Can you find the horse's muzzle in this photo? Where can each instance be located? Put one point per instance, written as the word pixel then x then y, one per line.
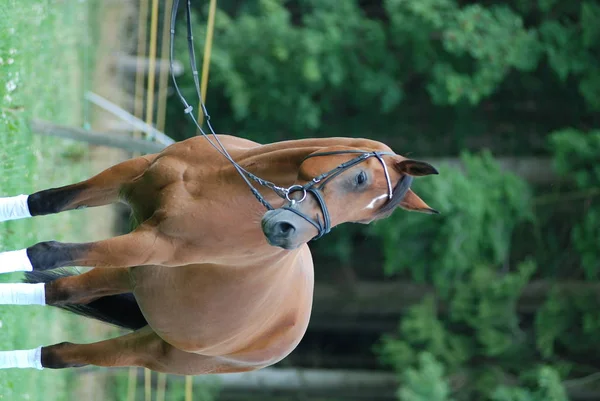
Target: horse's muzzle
pixel 282 229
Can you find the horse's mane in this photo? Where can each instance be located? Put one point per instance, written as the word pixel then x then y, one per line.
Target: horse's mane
pixel 398 194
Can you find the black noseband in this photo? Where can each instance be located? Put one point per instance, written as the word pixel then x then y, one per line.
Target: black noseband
pixel 323 228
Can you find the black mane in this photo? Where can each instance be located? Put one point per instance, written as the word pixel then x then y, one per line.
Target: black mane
pixel 397 196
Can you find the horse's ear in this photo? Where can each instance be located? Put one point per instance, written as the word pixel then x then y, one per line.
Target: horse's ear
pixel 412 202
pixel 415 167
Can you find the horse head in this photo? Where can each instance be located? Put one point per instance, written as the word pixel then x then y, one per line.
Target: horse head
pixel 342 184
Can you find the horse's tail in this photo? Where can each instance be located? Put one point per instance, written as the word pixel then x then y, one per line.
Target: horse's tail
pixel 120 310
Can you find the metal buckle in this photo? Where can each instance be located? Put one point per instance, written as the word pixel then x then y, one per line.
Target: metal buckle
pixel 295 188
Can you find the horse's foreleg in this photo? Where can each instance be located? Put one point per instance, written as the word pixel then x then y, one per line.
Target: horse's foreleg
pixel 143 246
pixel 30 358
pixel 14 207
pixel 22 294
pixel 81 288
pixel 142 348
pixel 87 287
pixel 102 189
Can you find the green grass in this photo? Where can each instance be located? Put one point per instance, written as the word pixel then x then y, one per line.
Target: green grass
pixel 43 51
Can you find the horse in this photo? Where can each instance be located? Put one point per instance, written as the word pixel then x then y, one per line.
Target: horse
pixel 210 280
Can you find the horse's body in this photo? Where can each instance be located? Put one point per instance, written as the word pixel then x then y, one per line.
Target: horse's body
pixel 215 294
pixel 231 260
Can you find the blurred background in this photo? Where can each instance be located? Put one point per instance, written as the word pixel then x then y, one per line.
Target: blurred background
pixel 497 298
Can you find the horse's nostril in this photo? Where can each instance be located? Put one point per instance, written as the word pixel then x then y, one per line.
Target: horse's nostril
pixel 285 228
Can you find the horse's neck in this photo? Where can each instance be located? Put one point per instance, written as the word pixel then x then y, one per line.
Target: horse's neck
pixel 315 144
pixel 280 162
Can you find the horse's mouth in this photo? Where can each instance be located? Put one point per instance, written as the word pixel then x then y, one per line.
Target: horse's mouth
pixel 280 231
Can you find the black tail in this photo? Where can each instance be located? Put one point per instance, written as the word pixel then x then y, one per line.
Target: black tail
pixel 120 310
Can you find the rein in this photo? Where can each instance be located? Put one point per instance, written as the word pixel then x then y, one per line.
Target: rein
pixel 315 186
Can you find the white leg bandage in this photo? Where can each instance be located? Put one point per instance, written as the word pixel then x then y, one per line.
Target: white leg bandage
pixel 15 261
pixel 22 294
pixel 30 358
pixel 14 208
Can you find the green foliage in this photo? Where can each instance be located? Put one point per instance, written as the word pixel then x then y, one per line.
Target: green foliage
pixel 473 315
pixel 480 321
pixel 277 74
pixel 290 69
pixel 481 45
pixel 477 341
pixel 471 325
pixel 422 329
pixel 425 383
pixel 577 157
pixel 486 304
pixel 571 49
pixel 479 211
pixel 569 321
pixel 586 237
pixel 549 388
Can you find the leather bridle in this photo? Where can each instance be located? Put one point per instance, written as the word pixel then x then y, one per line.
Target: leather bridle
pixel 314 186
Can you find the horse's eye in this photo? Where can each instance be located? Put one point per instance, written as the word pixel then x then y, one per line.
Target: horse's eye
pixel 361 178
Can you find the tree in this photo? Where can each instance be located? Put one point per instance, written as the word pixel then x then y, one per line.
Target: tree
pixel 502 354
pixel 290 69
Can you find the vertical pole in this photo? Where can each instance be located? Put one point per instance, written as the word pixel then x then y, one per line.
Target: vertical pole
pixel 163 77
pixel 137 112
pixel 206 60
pixel 152 64
pixel 131 384
pixel 141 53
pixel 161 111
pixel 188 388
pixel 149 118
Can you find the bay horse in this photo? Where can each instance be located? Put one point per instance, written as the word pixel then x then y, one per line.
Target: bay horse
pixel 209 281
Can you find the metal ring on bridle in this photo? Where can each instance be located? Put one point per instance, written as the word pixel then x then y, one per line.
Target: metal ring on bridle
pixel 295 188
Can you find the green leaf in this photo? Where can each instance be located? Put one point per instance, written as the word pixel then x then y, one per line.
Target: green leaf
pixel 425 383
